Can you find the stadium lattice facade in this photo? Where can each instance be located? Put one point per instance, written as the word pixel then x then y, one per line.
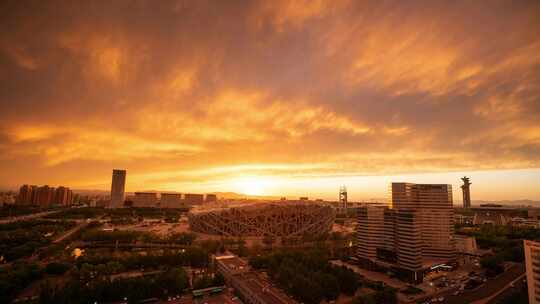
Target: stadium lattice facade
pixel 277 219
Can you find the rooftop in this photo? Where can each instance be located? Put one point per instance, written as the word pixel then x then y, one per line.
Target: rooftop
pixel 249 204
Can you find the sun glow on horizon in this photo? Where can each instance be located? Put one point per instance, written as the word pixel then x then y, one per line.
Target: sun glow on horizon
pixel 252 185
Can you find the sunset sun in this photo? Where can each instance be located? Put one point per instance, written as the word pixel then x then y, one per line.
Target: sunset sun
pixel 252 186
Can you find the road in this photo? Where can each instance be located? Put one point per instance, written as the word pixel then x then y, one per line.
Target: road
pixel 28 216
pixel 509 291
pixel 372 275
pixel 487 290
pixel 70 232
pixel 80 225
pixel 128 245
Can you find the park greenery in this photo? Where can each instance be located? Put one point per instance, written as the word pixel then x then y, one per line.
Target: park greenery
pixel 10 210
pixel 23 238
pixel 384 295
pixel 170 282
pixel 77 213
pixel 121 215
pixel 14 278
pixel 307 275
pixel 103 263
pixel 506 243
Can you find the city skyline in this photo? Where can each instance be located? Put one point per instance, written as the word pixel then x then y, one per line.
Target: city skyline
pixel 359 187
pixel 272 97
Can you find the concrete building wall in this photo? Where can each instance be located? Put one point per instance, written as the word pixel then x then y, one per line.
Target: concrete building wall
pixel 436 215
pixel 370 231
pixel 145 200
pixel 44 196
pixel 26 195
pixel 171 200
pixel 118 185
pixel 417 227
pixel 194 199
pixel 211 198
pixel 532 265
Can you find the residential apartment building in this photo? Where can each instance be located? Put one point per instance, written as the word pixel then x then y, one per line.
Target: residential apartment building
pixel 26 194
pixel 44 196
pixel 532 266
pixel 411 234
pixel 63 196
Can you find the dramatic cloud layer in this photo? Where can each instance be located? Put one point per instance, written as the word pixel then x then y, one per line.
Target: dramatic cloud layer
pixel 181 92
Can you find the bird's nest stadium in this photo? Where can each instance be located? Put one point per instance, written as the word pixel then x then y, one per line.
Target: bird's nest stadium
pixel 263 219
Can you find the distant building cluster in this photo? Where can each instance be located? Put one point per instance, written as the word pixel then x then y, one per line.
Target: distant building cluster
pixel 45 196
pixel 411 235
pixel 499 215
pixel 7 198
pixel 152 199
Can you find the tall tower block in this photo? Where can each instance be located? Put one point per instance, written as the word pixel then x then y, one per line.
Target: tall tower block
pixel 466 192
pixel 343 198
pixel 118 185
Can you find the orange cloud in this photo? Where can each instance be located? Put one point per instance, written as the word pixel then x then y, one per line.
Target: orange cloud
pixel 205 92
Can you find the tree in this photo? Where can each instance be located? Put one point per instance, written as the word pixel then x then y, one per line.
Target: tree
pixel 330 286
pixel 492 264
pixel 57 268
pixel 218 280
pixel 268 240
pixel 386 296
pixel 174 280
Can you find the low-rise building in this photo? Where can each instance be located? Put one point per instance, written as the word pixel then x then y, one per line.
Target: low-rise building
pixel 210 198
pixel 171 200
pixel 194 199
pixel 250 285
pixel 524 222
pixel 145 199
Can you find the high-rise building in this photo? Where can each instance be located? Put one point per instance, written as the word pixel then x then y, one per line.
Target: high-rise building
pixel 44 197
pixel 118 188
pixel 409 235
pixel 532 266
pixel 435 211
pixel 466 188
pixel 63 196
pixel 26 193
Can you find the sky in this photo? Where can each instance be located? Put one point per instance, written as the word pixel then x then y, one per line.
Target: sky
pixel 282 98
